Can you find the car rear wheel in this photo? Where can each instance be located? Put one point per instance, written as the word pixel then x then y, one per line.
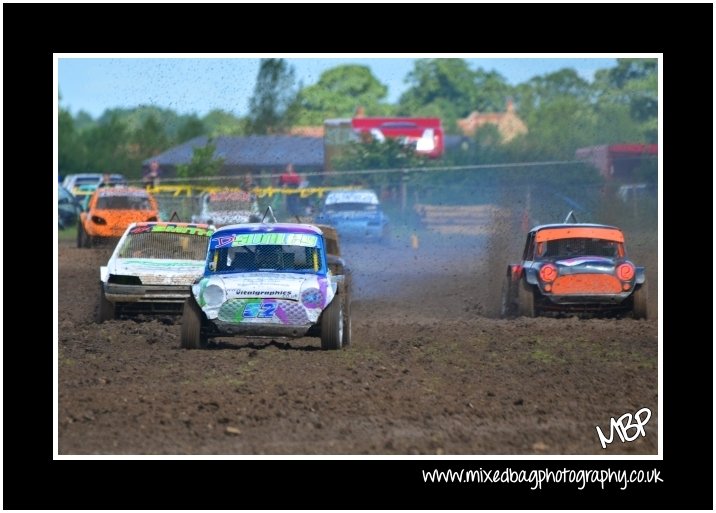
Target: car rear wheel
pixel 640 309
pixel 332 325
pixel 507 303
pixel 88 241
pixel 81 236
pixel 525 299
pixel 191 337
pixel 107 310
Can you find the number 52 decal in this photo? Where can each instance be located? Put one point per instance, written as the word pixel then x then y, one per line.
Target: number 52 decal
pixel 260 308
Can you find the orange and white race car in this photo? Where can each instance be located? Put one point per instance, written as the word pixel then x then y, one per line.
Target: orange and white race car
pixel 111 210
pixel 574 267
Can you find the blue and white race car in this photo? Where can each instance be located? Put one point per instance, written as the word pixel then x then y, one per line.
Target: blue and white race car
pixel 269 280
pixel 355 214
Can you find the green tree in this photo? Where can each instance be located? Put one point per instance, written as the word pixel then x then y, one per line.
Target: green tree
pixel 449 89
pixel 373 154
pixel 559 127
pixel 109 148
pixel 541 90
pixel 219 122
pixel 615 124
pixel 191 127
pixel 136 117
pixel 491 91
pixel 633 83
pixel 439 87
pixel 274 93
pixel 84 120
pixel 150 138
pixel 337 94
pixel 70 150
pixel 203 163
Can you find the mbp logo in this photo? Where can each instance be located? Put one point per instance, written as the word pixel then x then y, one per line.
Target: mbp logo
pixel 623 424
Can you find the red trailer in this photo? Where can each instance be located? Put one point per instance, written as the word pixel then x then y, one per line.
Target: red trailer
pixel 424 134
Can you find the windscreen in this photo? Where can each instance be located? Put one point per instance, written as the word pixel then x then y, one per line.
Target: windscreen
pixel 165 245
pixel 124 202
pixel 285 252
pixel 351 207
pixel 87 180
pixel 567 248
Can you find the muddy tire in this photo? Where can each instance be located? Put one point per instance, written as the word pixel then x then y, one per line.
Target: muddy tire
pixel 525 299
pixel 346 320
pixel 83 240
pixel 507 299
pixel 640 309
pixel 191 337
pixel 332 325
pixel 107 310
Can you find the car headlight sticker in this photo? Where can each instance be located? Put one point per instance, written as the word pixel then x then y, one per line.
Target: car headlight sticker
pixel 213 295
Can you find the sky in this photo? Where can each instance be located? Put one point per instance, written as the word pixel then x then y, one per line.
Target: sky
pixel 194 85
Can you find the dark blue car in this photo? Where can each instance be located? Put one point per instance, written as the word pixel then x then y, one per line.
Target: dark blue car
pixel 355 213
pixel 68 208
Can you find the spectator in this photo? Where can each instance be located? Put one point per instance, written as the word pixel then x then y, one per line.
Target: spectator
pixel 248 183
pixel 291 180
pixel 106 180
pixel 151 179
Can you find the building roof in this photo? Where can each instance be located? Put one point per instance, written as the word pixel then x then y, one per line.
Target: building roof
pixel 508 123
pixel 250 151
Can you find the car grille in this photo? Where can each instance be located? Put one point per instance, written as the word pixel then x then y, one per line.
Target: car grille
pixel 586 284
pixel 286 312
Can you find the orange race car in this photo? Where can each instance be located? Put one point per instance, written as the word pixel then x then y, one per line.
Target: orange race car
pixel 111 210
pixel 574 267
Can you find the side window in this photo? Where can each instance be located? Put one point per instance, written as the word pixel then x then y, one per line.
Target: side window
pixel 529 247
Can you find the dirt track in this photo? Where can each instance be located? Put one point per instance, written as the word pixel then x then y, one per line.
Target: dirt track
pixel 427 373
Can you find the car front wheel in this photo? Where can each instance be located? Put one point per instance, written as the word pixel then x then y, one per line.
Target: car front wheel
pixel 332 325
pixel 347 321
pixel 107 311
pixel 640 309
pixel 526 299
pixel 191 337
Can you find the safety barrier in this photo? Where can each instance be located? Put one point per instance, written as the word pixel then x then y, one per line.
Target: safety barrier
pixel 260 192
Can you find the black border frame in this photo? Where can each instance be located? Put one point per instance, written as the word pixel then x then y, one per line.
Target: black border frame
pixel 32 480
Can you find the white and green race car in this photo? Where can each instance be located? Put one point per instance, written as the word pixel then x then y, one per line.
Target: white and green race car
pixel 152 268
